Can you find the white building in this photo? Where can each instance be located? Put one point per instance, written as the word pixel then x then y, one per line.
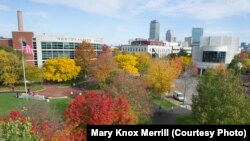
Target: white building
pixel 177 46
pixel 151 47
pixel 46 47
pixel 215 50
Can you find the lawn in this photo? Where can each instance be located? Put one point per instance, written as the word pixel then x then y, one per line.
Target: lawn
pixel 9 102
pixel 165 104
pixel 185 119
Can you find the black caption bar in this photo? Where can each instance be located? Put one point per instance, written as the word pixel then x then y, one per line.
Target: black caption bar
pixel 169 132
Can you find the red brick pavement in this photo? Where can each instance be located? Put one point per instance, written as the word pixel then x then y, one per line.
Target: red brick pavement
pixel 51 90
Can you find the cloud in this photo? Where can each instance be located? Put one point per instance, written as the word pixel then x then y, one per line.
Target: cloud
pixel 197 9
pixel 40 14
pixel 4 8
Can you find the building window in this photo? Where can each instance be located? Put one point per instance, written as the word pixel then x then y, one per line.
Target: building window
pixel 214 56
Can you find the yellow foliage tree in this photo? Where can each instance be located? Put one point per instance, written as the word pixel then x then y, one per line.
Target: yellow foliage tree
pixel 161 74
pixel 10 68
pixel 143 61
pixel 60 69
pixel 127 63
pixel 186 60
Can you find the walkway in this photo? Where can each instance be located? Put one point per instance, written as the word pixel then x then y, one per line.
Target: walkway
pixel 167 116
pixel 55 91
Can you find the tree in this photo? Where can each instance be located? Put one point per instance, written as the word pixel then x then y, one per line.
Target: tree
pixel 143 60
pixel 185 62
pixel 97 108
pixel 161 74
pixel 45 121
pixel 234 64
pixel 16 127
pixel 127 63
pixel 60 69
pixel 182 52
pixel 33 73
pixel 192 69
pixel 84 56
pixel 134 89
pixel 11 50
pixel 220 99
pixel 10 68
pixel 103 66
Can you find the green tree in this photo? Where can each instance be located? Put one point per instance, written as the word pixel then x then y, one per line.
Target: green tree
pixel 84 56
pixel 10 68
pixel 15 130
pixel 220 99
pixel 60 69
pixel 182 52
pixel 143 61
pixel 234 64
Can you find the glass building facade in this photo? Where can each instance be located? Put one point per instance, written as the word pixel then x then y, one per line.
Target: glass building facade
pixel 154 33
pixel 214 57
pixel 44 48
pixel 196 35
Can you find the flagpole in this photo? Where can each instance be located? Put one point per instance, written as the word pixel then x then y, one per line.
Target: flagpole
pixel 24 76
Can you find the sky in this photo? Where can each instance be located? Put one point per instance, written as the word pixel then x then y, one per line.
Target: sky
pixel 117 21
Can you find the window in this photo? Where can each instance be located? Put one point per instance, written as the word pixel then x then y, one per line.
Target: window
pixel 213 56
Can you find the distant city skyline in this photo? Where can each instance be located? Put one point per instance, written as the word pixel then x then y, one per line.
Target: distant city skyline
pixel 117 21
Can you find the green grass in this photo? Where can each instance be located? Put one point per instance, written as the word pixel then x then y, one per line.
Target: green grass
pixel 59 105
pixel 162 102
pixel 185 119
pixel 33 87
pixel 9 102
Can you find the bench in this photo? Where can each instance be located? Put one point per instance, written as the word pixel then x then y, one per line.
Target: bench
pixel 36 97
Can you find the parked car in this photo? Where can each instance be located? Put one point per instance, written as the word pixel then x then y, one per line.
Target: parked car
pixel 178 96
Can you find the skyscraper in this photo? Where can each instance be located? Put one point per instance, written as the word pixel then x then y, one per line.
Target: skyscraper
pixel 197 33
pixel 154 30
pixel 169 35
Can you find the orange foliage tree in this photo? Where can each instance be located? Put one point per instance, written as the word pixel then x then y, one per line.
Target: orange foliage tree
pixel 84 56
pixel 104 65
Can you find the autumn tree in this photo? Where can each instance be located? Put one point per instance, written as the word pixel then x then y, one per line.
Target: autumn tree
pixel 9 49
pixel 60 69
pixel 103 66
pixel 97 108
pixel 10 68
pixel 143 60
pixel 220 99
pixel 162 72
pixel 16 127
pixel 127 62
pixel 186 60
pixel 84 56
pixel 135 91
pixel 193 69
pixel 33 73
pixel 46 121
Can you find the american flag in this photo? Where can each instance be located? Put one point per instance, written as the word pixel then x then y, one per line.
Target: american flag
pixel 26 48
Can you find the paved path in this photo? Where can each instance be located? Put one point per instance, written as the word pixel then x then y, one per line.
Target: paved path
pixel 167 116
